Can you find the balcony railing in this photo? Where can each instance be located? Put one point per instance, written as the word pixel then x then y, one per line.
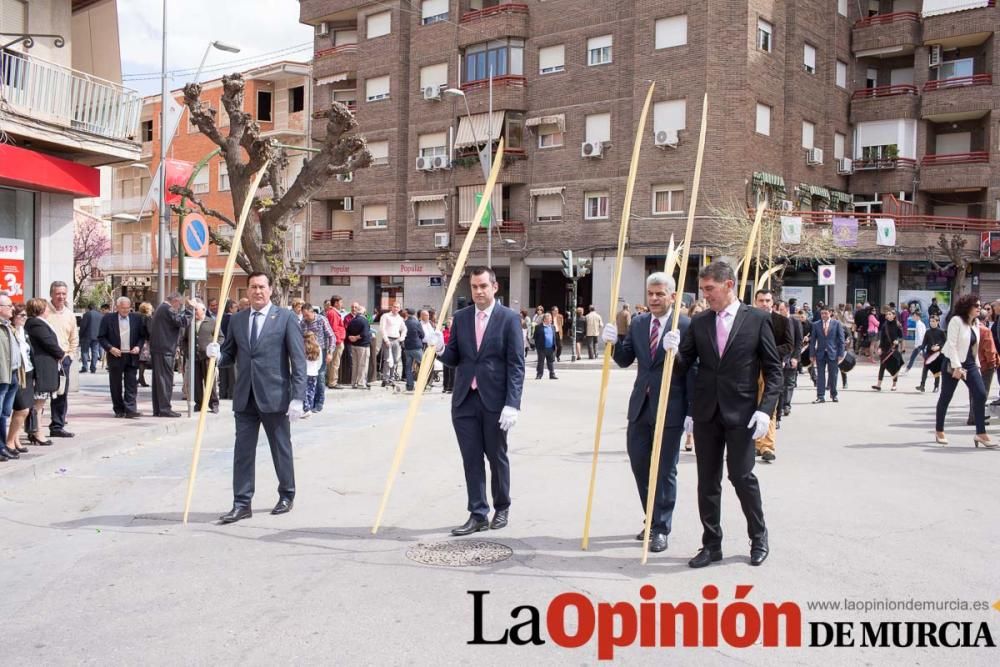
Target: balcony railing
pixel 122 205
pixel 884 163
pixel 51 93
pixel 960 82
pixel 335 50
pixel 884 91
pixel 903 222
pixel 332 234
pixel 126 262
pixel 482 84
pixel 882 19
pixel 975 157
pixel 509 8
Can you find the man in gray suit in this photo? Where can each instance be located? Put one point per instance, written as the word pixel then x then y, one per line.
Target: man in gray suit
pixel 165 328
pixel 266 345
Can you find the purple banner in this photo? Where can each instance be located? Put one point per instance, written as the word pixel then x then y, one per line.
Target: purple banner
pixel 845 232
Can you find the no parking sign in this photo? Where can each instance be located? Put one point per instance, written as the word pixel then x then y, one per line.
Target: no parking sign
pixel 194 236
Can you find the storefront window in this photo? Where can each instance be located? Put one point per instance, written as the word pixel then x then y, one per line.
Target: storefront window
pixel 17 221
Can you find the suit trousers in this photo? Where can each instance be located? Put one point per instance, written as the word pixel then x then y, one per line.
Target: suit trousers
pixel 639 442
pixel 711 440
pixel 480 438
pixel 279 439
pixel 411 364
pixel 333 369
pixel 791 376
pixel 163 381
pixel 123 377
pixel 200 373
pixel 826 375
pixel 59 404
pixel 227 381
pixel 359 365
pixel 546 357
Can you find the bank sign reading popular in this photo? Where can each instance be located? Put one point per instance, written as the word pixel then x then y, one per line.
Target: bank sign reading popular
pixel 12 268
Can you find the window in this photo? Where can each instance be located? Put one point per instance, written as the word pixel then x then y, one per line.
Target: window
pixel 379 151
pixel 433 11
pixel 839 141
pixel 147 130
pixel 435 76
pixel 378 24
pixel 871 77
pixel 808 134
pixel 670 115
pixel 502 57
pixel 376 216
pixel 552 59
pixel 599 50
pixel 671 31
pixel 342 37
pixel 223 177
pixel 549 208
pixel 296 99
pixel 514 130
pixel 595 205
pixel 264 105
pixel 13 17
pixel 841 74
pixel 433 144
pixel 430 213
pixel 955 68
pixel 763 119
pixel 335 281
pixel 842 7
pixel 809 58
pixel 901 76
pixel 668 199
pixel 550 136
pixel 377 88
pixel 765 35
pixel 598 127
pixel 200 183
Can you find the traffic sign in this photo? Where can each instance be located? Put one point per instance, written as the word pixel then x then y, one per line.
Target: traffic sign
pixel 194 236
pixel 195 268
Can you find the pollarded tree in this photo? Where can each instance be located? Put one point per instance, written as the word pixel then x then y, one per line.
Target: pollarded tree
pixel 245 151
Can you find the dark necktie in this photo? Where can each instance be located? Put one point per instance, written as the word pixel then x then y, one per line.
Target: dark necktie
pixel 654 337
pixel 253 329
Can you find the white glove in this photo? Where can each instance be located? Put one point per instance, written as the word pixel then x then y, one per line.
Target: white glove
pixel 295 410
pixel 610 333
pixel 508 418
pixel 688 425
pixel 672 341
pixel 212 350
pixel 759 423
pixel 435 338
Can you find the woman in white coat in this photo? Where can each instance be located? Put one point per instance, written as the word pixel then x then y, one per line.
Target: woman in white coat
pixel 961 349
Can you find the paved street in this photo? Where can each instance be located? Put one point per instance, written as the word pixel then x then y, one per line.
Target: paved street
pixel 860 504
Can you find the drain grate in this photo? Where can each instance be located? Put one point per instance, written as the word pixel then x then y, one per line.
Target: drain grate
pixel 459 553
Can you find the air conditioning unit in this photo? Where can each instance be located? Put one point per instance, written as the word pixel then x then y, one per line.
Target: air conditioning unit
pixel 814 156
pixel 666 138
pixel 441 240
pixel 440 162
pixel 345 178
pixel 432 93
pixel 787 205
pixel 425 163
pixel 348 203
pixel 592 149
pixel 322 29
pixel 934 55
pixel 845 165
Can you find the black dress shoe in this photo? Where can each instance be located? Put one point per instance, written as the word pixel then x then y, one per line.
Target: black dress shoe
pixel 658 542
pixel 705 557
pixel 169 413
pixel 3 455
pixel 499 519
pixel 767 456
pixel 820 400
pixel 119 415
pixel 236 514
pixel 11 453
pixel 758 552
pixel 284 506
pixel 553 377
pixel 475 524
pixel 62 433
pixel 835 399
pixel 133 415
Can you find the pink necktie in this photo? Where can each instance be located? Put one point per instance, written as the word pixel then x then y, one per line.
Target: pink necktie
pixel 654 337
pixel 721 335
pixel 480 330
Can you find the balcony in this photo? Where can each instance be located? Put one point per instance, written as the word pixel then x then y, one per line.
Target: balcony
pixel 47 93
pixel 126 262
pixel 883 175
pixel 967 96
pixel 975 157
pixel 953 171
pixel 884 102
pixel 314 11
pixel 129 205
pixel 332 234
pixel 883 91
pixel 334 60
pixel 506 20
pixel 899 31
pixel 942 27
pixel 509 93
pixel 960 82
pixel 904 223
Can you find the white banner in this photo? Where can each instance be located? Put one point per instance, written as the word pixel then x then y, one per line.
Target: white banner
pixel 827 274
pixel 886 231
pixel 791 229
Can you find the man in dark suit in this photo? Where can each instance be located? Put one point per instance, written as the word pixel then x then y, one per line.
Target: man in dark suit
pixel 641 344
pixel 486 351
pixel 764 301
pixel 733 345
pixel 204 327
pixel 90 346
pixel 165 327
pixel 826 350
pixel 122 335
pixel 791 366
pixel 266 345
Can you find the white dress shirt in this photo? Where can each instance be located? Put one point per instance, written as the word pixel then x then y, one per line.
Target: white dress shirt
pixel 260 319
pixel 124 333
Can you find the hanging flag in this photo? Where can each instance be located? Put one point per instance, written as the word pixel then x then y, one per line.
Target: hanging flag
pixel 791 229
pixel 152 197
pixel 173 114
pixel 886 231
pixel 827 274
pixel 845 232
pixel 488 214
pixel 178 173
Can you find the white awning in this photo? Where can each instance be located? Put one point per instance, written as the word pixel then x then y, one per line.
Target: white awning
pixel 938 7
pixel 327 80
pixel 480 128
pixel 420 198
pixel 542 192
pixel 559 120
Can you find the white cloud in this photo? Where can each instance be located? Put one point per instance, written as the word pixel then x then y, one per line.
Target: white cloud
pixel 257 27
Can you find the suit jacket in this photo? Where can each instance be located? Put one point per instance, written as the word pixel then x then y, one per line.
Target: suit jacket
pixel 165 328
pixel 634 347
pixel 110 336
pixel 90 326
pixel 46 355
pixel 539 337
pixel 728 384
pixel 498 364
pixel 276 366
pixel 829 346
pixel 202 339
pixel 784 337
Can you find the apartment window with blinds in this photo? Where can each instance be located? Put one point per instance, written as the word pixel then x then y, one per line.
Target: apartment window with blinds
pixel 467 203
pixel 13 17
pixel 809 58
pixel 598 127
pixel 223 177
pixel 549 136
pixel 433 144
pixel 670 115
pixel 430 213
pixel 765 35
pixel 434 76
pixel 380 152
pixel 671 31
pixel 433 11
pixel 552 59
pixel 376 216
pixel 599 50
pixel 839 141
pixel 200 184
pixel 377 88
pixel 808 134
pixel 595 206
pixel 763 125
pixel 841 74
pixel 668 199
pixel 549 208
pixel 379 24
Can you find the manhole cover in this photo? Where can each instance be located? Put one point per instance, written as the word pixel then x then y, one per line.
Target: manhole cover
pixel 460 553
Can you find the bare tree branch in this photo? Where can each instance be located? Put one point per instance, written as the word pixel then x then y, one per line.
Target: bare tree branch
pixel 190 196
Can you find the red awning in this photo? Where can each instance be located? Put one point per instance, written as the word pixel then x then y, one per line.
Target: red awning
pixel 30 170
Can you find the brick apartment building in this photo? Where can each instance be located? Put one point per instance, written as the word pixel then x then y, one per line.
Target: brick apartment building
pixel 867 107
pixel 278 97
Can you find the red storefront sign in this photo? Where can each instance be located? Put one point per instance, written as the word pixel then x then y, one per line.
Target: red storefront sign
pixel 12 268
pixel 31 170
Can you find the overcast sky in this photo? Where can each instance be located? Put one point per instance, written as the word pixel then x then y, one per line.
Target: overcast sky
pixel 257 27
